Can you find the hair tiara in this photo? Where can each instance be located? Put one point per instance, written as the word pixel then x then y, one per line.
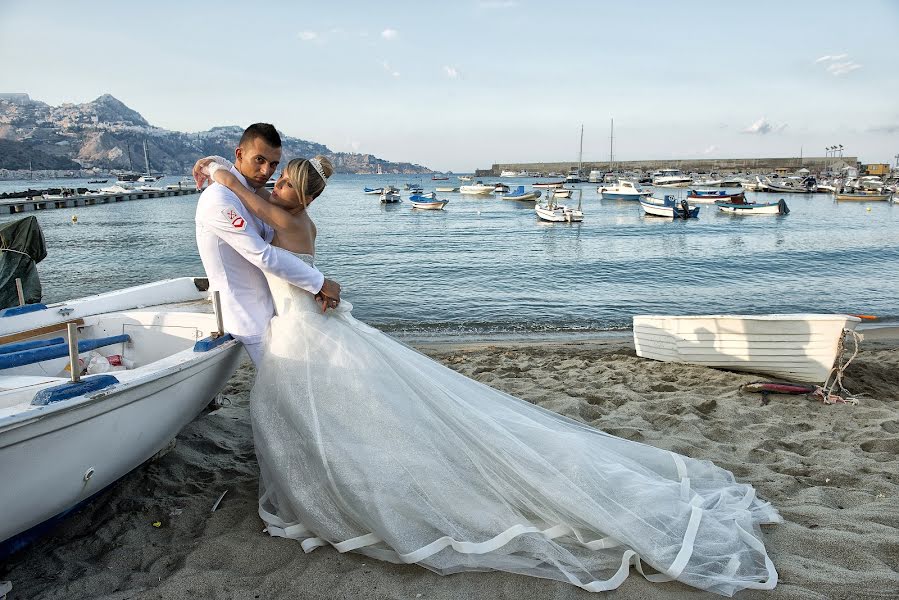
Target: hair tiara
pixel 315 162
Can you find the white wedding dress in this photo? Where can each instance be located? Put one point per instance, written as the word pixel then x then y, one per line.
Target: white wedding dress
pixel 367 445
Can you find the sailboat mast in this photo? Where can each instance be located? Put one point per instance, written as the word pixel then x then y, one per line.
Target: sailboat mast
pixel 146 157
pixel 580 155
pixel 612 146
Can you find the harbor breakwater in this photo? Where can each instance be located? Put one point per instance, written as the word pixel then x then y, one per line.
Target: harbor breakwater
pixel 815 164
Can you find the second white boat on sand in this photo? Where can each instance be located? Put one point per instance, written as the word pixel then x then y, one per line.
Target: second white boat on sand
pixel 797 347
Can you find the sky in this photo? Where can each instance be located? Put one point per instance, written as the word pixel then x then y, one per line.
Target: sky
pixel 462 85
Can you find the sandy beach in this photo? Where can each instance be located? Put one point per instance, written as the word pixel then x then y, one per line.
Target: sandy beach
pixel 831 470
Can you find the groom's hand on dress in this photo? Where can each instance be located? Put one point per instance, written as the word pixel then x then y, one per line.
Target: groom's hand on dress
pixel 329 295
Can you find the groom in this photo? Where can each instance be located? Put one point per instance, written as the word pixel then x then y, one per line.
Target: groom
pixel 236 249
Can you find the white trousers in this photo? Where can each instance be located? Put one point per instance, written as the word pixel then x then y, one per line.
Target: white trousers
pixel 254 349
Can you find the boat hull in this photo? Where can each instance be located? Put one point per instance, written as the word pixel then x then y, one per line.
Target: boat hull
pixel 800 347
pixel 862 197
pixel 772 208
pixel 66 452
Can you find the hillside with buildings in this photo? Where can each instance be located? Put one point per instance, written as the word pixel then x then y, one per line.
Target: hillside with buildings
pixel 107 135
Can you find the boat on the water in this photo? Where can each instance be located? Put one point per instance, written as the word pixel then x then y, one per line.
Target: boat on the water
pixel 427 202
pixel 713 196
pixel 149 371
pixel 671 178
pixel 440 178
pixel 390 197
pixel 554 212
pixel 446 188
pixel 669 207
pixel 373 191
pixel 548 184
pixel 624 190
pixel 797 347
pixel 862 196
pixel 478 189
pixel 736 207
pixel 519 194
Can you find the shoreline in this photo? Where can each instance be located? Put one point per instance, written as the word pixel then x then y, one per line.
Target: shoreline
pixel 829 470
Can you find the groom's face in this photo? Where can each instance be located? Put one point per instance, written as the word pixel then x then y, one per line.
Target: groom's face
pixel 257 161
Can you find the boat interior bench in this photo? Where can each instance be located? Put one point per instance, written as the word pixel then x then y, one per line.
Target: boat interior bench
pixel 58 350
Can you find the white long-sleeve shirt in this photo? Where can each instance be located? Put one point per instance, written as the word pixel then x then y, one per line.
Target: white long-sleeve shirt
pixel 235 250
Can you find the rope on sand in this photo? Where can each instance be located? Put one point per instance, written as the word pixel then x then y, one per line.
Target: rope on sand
pixel 833 392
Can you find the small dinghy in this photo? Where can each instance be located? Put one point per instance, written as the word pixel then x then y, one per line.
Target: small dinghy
pixel 713 196
pixel 390 197
pixel 427 202
pixel 669 207
pixel 95 390
pixel 554 212
pixel 862 196
pixel 754 208
pixel 373 191
pixel 520 194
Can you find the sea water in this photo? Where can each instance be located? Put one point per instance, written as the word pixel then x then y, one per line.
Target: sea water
pixel 486 266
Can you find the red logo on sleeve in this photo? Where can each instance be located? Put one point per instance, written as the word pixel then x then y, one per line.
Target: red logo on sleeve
pixel 234 217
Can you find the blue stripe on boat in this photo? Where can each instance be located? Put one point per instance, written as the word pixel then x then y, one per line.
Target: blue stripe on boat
pixel 19 346
pixel 65 391
pixel 21 310
pixel 208 343
pixel 36 355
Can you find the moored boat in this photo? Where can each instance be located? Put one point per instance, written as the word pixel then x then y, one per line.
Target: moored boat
pixel 754 208
pixel 478 189
pixel 446 188
pixel 862 196
pixel 554 212
pixel 669 207
pixel 429 202
pixel 624 190
pixel 520 194
pixel 800 347
pixel 548 184
pixel 713 196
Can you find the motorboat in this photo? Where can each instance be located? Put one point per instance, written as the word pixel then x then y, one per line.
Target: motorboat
pixel 500 188
pixel 465 177
pixel 792 185
pixel 429 202
pixel 596 176
pixel 508 174
pixel 424 195
pixel 446 188
pixel 478 189
pixel 757 184
pixel 441 178
pixel 118 189
pixel 554 212
pixel 149 178
pixel 712 196
pixel 548 184
pixel 797 347
pixel 671 178
pixel 143 373
pixel 669 207
pixel 561 192
pixel 98 181
pixel 737 207
pixel 520 194
pixel 390 197
pixel 624 190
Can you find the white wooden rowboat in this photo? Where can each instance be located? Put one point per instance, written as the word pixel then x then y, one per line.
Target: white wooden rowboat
pixel 797 347
pixel 62 442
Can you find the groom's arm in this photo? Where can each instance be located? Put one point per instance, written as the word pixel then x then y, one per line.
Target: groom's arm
pixel 229 221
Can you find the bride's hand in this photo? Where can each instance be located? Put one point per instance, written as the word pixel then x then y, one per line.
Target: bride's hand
pixel 200 174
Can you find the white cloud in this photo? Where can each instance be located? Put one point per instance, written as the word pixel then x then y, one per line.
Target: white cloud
pixel 763 127
pixel 308 36
pixel 390 34
pixel 389 69
pixel 838 64
pixel 451 72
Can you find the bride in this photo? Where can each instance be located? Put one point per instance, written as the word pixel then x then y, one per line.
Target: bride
pixel 366 445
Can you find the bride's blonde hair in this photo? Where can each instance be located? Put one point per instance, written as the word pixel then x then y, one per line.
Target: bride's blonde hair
pixel 305 178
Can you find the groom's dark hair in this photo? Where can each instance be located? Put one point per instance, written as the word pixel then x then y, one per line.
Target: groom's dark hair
pixel 266 131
